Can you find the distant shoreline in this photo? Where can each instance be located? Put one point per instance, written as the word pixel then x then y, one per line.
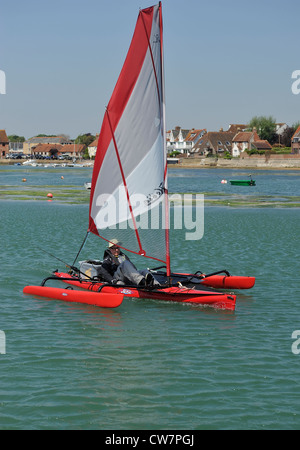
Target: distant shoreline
pixel 251 163
pixel 19 163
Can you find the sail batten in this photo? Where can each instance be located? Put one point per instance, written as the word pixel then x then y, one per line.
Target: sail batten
pixel 129 185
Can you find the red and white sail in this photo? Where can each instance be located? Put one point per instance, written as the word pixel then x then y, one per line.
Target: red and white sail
pixel 129 184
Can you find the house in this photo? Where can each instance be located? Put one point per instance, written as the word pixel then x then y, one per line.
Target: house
pixel 30 144
pixel 176 140
pixel 4 144
pixel 92 148
pixel 280 128
pixel 16 147
pixel 183 140
pixel 261 145
pixel 192 138
pixel 242 141
pixel 215 143
pixel 74 150
pixel 55 150
pixel 235 128
pixel 43 150
pixel 295 144
pixel 171 136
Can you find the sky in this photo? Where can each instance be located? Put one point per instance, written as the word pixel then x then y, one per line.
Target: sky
pixel 225 62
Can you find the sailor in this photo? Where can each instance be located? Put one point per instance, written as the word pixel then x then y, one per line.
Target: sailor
pixel 118 269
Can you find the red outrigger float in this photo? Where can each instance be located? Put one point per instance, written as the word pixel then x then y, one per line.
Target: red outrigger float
pixel 104 300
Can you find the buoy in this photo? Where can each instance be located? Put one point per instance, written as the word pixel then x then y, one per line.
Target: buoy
pixel 50 195
pixel 24 180
pixel 62 177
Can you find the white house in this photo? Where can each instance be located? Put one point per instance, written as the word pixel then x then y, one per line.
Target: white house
pixel 182 140
pixel 280 128
pixel 176 140
pixel 92 148
pixel 242 141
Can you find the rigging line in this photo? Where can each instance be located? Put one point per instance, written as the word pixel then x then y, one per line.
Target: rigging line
pixel 67 265
pixel 82 245
pixel 55 257
pixel 125 184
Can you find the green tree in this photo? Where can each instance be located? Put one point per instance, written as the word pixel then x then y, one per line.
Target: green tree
pixel 265 127
pixel 16 138
pixel 85 139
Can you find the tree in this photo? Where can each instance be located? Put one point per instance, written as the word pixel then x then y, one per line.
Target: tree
pixel 16 138
pixel 265 127
pixel 85 139
pixel 287 135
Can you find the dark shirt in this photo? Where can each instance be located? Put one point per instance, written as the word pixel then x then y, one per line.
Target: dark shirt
pixel 111 263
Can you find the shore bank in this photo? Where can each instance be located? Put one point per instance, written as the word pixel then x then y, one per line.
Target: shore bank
pixel 273 162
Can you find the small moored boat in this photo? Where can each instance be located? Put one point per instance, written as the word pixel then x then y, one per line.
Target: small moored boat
pixel 249 182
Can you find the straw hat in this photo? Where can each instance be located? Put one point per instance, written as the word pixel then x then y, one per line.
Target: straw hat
pixel 114 242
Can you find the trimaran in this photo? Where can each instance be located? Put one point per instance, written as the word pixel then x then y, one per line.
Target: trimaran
pixel 129 183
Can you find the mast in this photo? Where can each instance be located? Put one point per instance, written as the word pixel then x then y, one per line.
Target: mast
pixel 166 193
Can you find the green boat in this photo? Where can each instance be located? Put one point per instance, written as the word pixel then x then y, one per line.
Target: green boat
pixel 250 182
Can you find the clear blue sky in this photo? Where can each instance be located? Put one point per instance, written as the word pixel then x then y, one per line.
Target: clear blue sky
pixel 225 61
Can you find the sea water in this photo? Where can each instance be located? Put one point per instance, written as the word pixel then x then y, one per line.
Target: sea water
pixel 148 364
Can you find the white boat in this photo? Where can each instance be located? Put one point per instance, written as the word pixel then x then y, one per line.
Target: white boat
pixel 29 162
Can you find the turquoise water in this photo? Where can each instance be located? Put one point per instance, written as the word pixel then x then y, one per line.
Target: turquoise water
pixel 148 364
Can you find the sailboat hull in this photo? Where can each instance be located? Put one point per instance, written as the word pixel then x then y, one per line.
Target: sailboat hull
pixel 243 183
pixel 204 297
